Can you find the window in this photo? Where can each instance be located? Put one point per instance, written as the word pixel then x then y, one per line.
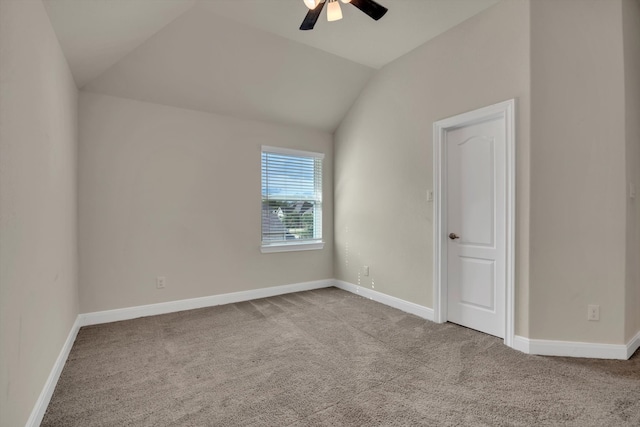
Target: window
pixel 291 200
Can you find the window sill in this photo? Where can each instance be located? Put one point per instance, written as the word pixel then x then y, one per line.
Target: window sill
pixel 292 247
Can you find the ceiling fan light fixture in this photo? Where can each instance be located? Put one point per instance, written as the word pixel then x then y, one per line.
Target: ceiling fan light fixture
pixel 370 8
pixel 311 4
pixel 334 13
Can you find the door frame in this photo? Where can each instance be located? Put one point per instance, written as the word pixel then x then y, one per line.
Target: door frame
pixel 506 110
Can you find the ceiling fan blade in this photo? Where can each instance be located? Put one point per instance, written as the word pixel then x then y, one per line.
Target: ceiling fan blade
pixel 371 8
pixel 311 18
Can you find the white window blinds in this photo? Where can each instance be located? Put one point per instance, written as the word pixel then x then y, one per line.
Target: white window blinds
pixel 291 196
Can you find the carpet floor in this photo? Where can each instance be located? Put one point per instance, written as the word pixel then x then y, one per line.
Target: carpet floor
pixel 326 358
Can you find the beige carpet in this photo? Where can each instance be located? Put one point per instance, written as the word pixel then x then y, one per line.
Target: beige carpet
pixel 326 358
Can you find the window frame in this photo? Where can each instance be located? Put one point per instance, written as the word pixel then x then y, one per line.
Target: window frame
pixel 293 245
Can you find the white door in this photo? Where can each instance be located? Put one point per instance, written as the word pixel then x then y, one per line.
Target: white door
pixel 475 225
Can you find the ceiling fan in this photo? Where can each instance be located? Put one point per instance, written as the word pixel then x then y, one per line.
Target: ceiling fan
pixel 334 13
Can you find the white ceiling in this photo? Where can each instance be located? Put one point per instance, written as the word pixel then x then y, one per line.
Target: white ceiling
pixel 95 34
pixel 203 61
pixel 407 25
pixel 242 57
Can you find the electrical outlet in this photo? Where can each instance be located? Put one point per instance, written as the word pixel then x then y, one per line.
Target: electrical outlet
pixel 593 312
pixel 161 282
pixel 365 270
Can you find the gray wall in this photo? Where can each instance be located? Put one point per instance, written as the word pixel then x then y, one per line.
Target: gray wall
pixel 38 256
pixel 578 182
pixel 576 233
pixel 172 192
pixel 631 43
pixel 384 151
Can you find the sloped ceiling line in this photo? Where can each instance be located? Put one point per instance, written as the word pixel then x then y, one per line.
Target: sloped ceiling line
pixel 244 58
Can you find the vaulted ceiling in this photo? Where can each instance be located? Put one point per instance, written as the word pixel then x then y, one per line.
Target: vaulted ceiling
pixel 244 58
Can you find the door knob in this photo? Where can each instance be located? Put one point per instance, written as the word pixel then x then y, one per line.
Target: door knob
pixel 453 236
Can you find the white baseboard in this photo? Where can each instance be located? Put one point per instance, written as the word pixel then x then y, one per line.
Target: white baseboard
pixel 50 385
pixel 400 304
pixel 633 345
pixel 575 349
pixel 119 314
pixel 521 344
